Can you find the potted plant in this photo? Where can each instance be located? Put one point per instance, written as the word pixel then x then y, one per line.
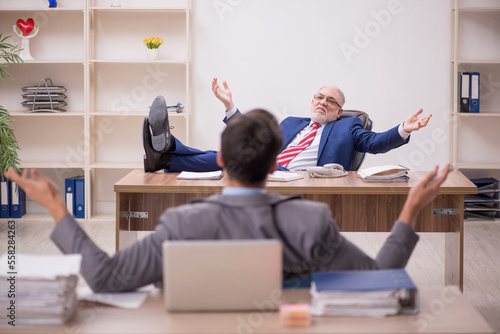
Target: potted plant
pixel 8 142
pixel 153 44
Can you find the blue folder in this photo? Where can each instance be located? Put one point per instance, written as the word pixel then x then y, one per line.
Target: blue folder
pixel 370 280
pixel 75 196
pixel 69 195
pixel 362 280
pixel 474 92
pixel 18 201
pixel 79 197
pixel 4 198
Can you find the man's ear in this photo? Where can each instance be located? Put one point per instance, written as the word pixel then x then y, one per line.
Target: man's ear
pixel 272 169
pixel 340 112
pixel 219 160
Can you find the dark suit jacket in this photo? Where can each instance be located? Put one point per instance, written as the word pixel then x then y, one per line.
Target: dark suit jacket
pixel 341 138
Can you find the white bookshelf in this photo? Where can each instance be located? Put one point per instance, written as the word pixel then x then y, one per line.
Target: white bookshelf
pixel 96 51
pixel 475 48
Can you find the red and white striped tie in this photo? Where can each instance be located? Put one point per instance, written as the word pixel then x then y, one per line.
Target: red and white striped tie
pixel 291 151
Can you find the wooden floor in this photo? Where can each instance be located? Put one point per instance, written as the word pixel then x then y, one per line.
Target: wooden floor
pixel 481 256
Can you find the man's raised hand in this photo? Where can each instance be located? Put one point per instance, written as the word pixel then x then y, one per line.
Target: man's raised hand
pixel 224 95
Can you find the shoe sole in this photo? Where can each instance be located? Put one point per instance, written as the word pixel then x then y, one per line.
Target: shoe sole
pixel 158 121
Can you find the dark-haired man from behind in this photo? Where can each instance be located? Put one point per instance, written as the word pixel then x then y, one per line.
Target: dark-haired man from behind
pixel 249 146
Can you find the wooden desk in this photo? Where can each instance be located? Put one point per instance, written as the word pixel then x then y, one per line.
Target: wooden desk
pixel 442 310
pixel 356 205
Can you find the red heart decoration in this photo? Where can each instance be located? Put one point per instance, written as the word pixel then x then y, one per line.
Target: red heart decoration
pixel 26 27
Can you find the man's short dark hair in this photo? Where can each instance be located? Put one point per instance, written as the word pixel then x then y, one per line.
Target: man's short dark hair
pixel 250 144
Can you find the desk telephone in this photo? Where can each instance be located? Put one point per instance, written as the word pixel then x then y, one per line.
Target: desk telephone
pixel 328 170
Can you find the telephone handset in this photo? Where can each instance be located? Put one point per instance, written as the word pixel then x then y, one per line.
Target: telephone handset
pixel 328 170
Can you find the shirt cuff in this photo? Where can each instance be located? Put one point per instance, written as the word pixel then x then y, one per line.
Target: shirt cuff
pixel 230 113
pixel 402 132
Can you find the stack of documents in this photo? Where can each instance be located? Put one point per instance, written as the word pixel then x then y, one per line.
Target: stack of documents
pixel 216 175
pixel 386 173
pixel 374 293
pixel 282 176
pixel 40 290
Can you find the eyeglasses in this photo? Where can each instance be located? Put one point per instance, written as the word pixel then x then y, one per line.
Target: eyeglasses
pixel 330 100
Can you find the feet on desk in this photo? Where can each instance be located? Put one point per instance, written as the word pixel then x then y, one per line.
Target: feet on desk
pixel 153 160
pixel 161 138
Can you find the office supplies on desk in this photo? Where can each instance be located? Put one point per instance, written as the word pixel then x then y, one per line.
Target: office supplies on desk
pixel 45 288
pixel 474 92
pixel 385 173
pixel 217 275
pixel 363 293
pixel 328 170
pixel 215 175
pixel 18 201
pixel 5 198
pixel 295 314
pixel 282 176
pixel 464 91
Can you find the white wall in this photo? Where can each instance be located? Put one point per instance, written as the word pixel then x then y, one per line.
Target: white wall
pixel 276 54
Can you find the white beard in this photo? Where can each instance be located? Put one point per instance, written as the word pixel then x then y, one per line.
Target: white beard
pixel 318 118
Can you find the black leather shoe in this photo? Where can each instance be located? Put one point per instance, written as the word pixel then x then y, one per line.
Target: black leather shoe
pixel 158 121
pixel 153 160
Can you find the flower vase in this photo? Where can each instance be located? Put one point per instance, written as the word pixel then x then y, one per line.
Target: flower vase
pixel 153 53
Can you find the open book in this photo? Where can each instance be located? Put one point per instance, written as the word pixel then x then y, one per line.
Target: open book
pixel 385 173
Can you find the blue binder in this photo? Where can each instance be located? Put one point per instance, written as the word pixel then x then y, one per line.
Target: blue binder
pixel 464 89
pixel 18 201
pixel 5 198
pixel 69 195
pixel 369 280
pixel 79 197
pixel 362 280
pixel 474 92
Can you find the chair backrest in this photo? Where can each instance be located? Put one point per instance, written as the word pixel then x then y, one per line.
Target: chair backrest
pixel 358 157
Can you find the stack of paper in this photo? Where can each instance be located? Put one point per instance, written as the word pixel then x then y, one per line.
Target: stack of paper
pixel 41 290
pixel 386 173
pixel 374 293
pixel 216 175
pixel 282 176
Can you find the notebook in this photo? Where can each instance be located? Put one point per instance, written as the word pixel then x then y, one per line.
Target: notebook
pixel 222 275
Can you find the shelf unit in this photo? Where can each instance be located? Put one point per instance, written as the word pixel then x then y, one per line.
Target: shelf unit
pixel 96 51
pixel 475 48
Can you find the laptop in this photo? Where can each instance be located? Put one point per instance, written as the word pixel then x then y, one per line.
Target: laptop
pixel 222 275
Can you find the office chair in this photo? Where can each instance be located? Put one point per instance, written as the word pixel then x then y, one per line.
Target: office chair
pixel 358 157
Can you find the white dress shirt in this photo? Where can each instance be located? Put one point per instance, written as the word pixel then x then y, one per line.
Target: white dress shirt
pixel 309 156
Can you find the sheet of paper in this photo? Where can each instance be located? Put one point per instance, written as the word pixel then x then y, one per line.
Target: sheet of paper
pixel 128 300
